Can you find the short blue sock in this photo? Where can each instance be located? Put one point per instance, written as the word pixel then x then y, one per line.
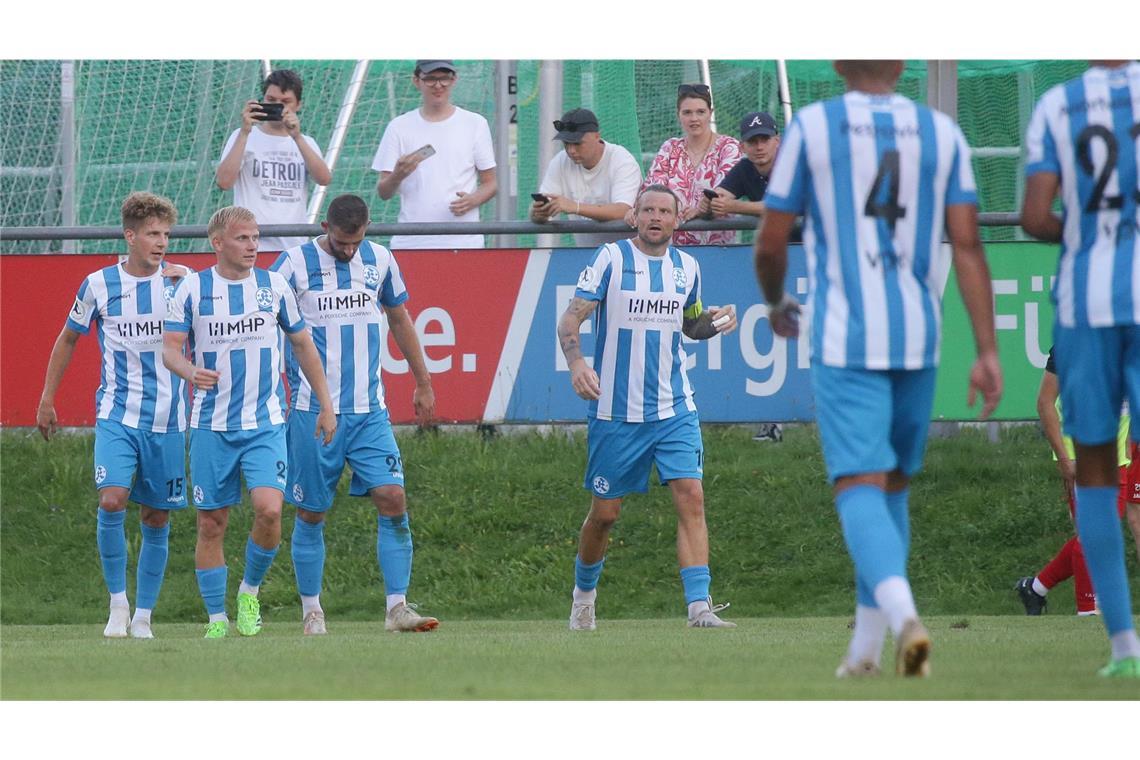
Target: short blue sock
pixel 586 576
pixel 111 539
pixel 212 587
pixel 394 552
pixel 872 538
pixel 897 507
pixel 695 580
pixel 1099 529
pixel 308 550
pixel 152 565
pixel 257 562
pixel 864 596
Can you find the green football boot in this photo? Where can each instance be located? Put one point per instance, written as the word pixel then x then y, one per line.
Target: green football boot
pixel 248 615
pixel 1129 667
pixel 217 629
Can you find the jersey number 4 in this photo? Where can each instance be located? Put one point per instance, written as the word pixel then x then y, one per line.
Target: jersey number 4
pixel 1098 200
pixel 888 175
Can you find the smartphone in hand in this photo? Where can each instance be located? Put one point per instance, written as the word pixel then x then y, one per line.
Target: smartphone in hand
pixel 270 112
pixel 710 194
pixel 539 198
pixel 425 152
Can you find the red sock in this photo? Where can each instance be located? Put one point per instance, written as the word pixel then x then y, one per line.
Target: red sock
pixel 1061 567
pixel 1082 583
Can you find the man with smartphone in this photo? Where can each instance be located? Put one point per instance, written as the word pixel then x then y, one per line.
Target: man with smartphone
pixel 439 158
pixel 268 161
pixel 742 190
pixel 591 179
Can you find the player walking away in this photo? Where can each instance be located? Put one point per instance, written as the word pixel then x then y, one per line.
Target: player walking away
pixel 1081 141
pixel 1070 560
pixel 878 177
pixel 345 285
pixel 647 294
pixel 140 438
pixel 231 313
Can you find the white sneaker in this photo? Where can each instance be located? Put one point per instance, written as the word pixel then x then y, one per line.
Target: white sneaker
pixel 707 618
pixel 140 629
pixel 582 617
pixel 404 618
pixel 315 623
pixel 117 622
pixel 861 669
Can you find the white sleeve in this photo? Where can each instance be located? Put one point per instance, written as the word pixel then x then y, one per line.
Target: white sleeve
pixel 229 144
pixel 552 180
pixel 389 151
pixel 484 148
pixel 626 179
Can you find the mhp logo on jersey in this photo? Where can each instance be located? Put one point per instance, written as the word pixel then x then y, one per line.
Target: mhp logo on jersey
pixel 371 276
pixel 264 298
pixel 679 277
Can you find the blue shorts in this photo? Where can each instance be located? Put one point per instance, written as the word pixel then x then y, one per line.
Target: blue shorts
pixel 620 454
pixel 363 441
pixel 154 462
pixel 872 420
pixel 218 459
pixel 1097 368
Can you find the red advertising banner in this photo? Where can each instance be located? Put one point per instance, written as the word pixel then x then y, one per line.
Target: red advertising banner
pixel 461 304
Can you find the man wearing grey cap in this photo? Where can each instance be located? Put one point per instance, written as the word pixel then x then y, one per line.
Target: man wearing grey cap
pixel 591 179
pixel 759 140
pixel 440 160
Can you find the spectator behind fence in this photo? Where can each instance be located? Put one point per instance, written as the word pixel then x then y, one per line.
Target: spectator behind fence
pixel 759 140
pixel 591 179
pixel 269 167
pixel 694 163
pixel 453 145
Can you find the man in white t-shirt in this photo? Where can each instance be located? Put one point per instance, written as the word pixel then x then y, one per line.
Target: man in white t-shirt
pixel 439 158
pixel 592 179
pixel 269 167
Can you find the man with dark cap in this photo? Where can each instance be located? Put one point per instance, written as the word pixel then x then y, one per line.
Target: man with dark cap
pixel 439 158
pixel 759 139
pixel 591 179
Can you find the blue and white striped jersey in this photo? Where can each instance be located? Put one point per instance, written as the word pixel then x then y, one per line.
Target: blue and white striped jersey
pixel 232 328
pixel 135 388
pixel 638 353
pixel 341 303
pixel 873 175
pixel 1085 131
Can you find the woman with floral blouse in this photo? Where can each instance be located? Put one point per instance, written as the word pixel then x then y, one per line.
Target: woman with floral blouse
pixel 695 162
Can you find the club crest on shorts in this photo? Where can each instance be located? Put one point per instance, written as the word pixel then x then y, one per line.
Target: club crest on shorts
pixel 100 473
pixel 264 299
pixel 679 277
pixel 601 485
pixel 371 276
pixel 199 495
pixel 298 492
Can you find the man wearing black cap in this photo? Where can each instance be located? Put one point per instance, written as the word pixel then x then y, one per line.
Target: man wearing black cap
pixel 759 140
pixel 592 179
pixel 439 158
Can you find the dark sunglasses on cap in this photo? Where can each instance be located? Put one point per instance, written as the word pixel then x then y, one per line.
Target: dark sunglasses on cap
pixel 694 89
pixel 574 126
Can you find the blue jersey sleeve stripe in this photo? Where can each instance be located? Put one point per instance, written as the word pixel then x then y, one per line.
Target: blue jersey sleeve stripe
pixel 312 266
pixel 205 295
pixel 628 275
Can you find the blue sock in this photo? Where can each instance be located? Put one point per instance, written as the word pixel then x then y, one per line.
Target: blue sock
pixel 308 550
pixel 586 576
pixel 257 562
pixel 152 565
pixel 1099 531
pixel 897 507
pixel 695 580
pixel 864 596
pixel 212 587
pixel 112 541
pixel 872 537
pixel 394 552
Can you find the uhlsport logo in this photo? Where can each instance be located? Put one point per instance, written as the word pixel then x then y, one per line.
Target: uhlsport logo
pixel 298 492
pixel 264 298
pixel 100 473
pixel 679 277
pixel 199 495
pixel 601 485
pixel 371 276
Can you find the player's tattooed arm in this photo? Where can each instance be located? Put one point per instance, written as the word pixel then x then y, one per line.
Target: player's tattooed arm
pixel 583 378
pixel 716 320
